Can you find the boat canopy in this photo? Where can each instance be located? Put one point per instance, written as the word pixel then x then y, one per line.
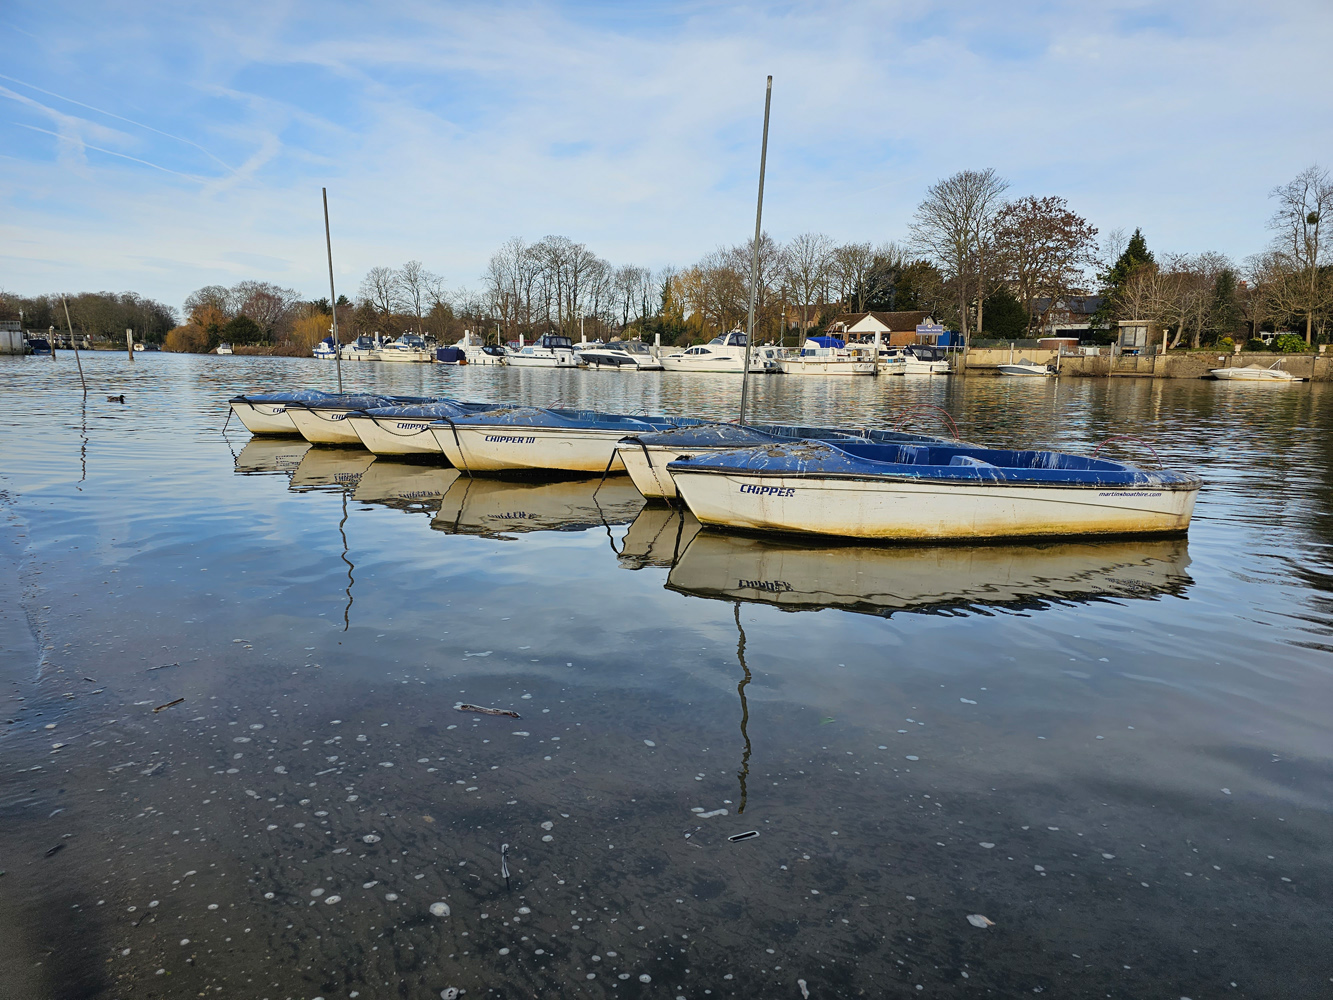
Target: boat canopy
pixel 933 463
pixel 834 342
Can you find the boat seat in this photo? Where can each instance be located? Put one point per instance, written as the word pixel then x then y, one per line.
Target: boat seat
pixel 970 461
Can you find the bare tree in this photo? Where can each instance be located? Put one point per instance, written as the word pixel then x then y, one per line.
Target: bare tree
pixel 1045 248
pixel 1297 244
pixel 853 264
pixel 808 261
pixel 269 305
pixel 417 289
pixel 379 288
pixel 953 226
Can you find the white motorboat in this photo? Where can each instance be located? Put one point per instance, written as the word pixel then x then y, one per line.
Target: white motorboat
pixel 828 356
pixel 266 413
pixel 549 351
pixel 1025 367
pixel 1256 373
pixel 930 493
pixel 324 421
pixel 324 349
pixel 223 348
pixel 721 354
pixel 624 355
pixel 361 349
pixel 409 348
pixel 534 439
pixel 915 359
pixel 475 349
pixel 646 456
pixel 406 430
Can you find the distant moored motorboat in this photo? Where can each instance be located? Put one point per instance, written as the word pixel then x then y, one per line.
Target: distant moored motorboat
pixel 1255 373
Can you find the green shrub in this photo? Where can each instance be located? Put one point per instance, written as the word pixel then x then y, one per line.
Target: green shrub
pixel 1225 344
pixel 1255 344
pixel 1288 343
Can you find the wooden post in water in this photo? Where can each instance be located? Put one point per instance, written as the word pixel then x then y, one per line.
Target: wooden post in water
pixel 754 264
pixel 333 299
pixel 73 345
pixel 129 344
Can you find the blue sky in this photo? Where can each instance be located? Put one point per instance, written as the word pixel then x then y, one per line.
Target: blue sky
pixel 158 147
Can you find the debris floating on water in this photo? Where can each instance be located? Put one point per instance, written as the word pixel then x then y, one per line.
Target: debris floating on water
pixel 977 920
pixel 55 850
pixel 439 909
pixel 805 993
pixel 168 705
pixel 747 835
pixel 478 710
pixel 160 666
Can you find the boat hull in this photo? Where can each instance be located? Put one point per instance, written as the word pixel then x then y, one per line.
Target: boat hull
pixel 508 448
pixel 716 361
pixel 264 418
pixel 1039 371
pixel 561 360
pixel 324 426
pixel 395 435
pixel 647 468
pixel 916 510
pixel 817 366
pixel 1252 375
pixel 404 356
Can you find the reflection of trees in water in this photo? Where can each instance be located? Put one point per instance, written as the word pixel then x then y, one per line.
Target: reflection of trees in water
pixel 744 772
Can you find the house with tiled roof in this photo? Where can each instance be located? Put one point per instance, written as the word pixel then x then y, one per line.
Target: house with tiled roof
pixel 895 329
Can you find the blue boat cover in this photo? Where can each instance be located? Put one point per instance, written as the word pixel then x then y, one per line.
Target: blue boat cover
pixel 361 401
pixel 827 341
pixel 290 396
pixel 536 416
pixel 714 435
pixel 932 463
pixel 436 410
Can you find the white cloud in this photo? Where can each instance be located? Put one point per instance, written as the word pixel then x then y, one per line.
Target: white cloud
pixel 442 131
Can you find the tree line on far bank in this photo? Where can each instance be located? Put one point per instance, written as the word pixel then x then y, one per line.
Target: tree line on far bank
pixel 977 262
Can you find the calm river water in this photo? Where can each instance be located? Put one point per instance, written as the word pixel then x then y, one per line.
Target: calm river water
pixel 231 763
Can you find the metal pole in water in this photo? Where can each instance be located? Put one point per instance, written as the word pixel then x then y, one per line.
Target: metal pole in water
pixel 72 344
pixel 754 264
pixel 333 299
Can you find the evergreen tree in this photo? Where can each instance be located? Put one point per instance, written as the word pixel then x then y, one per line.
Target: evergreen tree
pixel 1135 255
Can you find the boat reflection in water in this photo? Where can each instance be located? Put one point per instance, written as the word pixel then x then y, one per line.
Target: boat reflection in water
pixel 498 508
pixel 405 486
pixel 881 580
pixel 336 468
pixel 268 455
pixel 657 537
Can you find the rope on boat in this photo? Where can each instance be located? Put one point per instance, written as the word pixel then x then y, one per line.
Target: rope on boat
pixel 605 472
pixel 1137 440
pixel 931 409
pixel 460 446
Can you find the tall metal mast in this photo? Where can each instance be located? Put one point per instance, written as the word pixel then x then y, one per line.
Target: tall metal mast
pixel 333 299
pixel 754 264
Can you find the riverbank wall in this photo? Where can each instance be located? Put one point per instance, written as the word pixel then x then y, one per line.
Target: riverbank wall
pixel 1196 364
